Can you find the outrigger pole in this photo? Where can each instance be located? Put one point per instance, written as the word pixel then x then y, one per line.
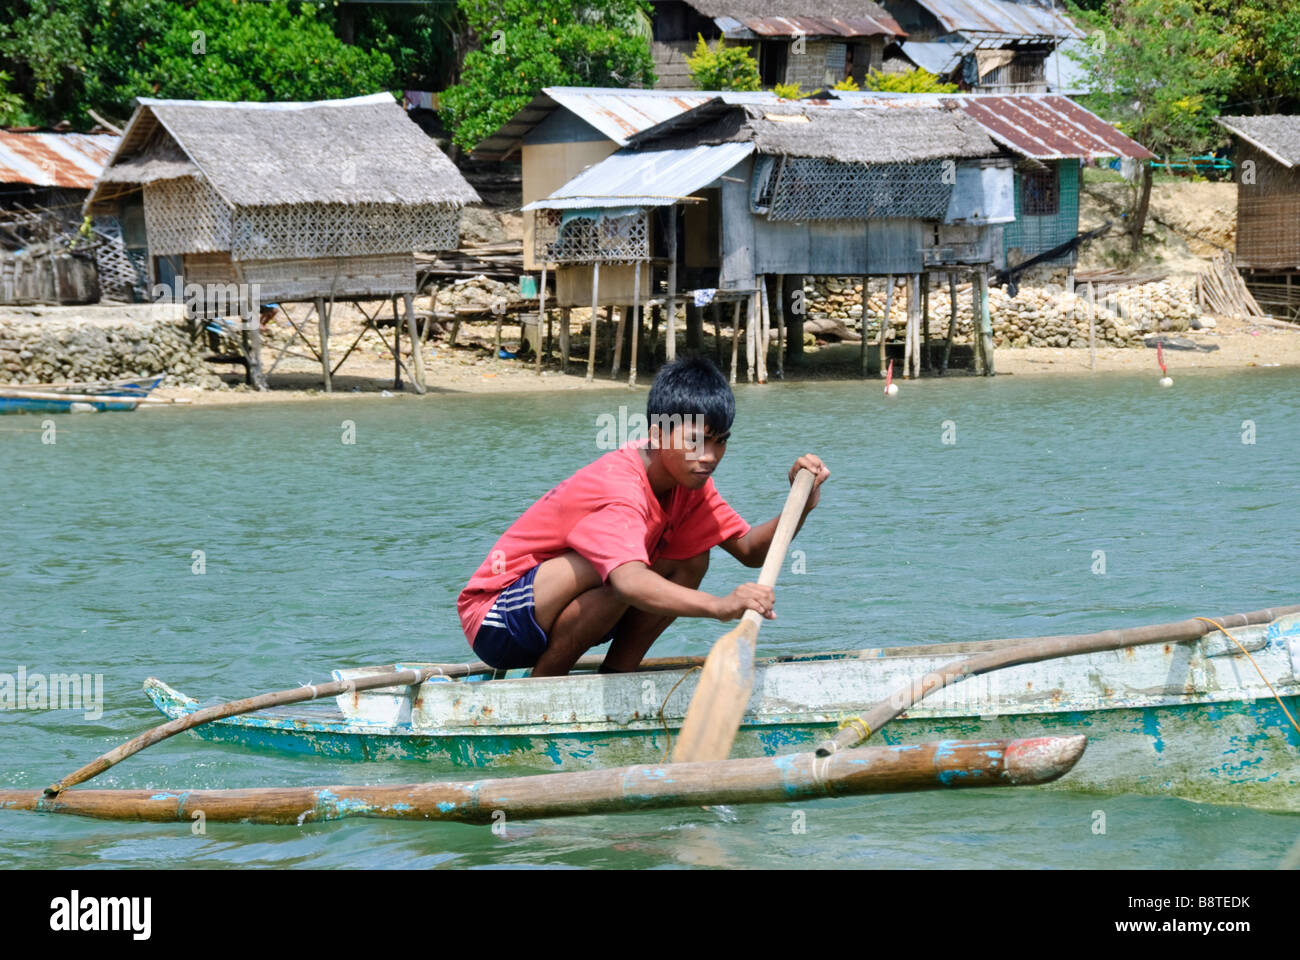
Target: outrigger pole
pixel 948 764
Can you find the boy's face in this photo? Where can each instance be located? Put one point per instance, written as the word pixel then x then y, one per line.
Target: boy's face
pixel 689 451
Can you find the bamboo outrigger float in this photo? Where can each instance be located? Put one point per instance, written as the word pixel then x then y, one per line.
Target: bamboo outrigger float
pixel 866 770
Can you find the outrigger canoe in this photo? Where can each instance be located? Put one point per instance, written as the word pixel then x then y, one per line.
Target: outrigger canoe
pixel 1192 719
pixel 119 396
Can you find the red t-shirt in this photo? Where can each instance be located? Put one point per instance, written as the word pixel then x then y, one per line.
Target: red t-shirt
pixel 608 513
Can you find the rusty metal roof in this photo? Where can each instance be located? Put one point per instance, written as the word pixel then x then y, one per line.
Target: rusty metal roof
pixel 1049 127
pixel 54 159
pixel 1001 18
pixel 1041 126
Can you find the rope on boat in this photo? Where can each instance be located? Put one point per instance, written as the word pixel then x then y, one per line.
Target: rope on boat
pixel 668 750
pixel 1257 670
pixel 859 723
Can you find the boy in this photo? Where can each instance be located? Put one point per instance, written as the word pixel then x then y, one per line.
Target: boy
pixel 617 551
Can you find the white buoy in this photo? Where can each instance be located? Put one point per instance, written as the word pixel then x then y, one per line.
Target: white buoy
pixel 1166 381
pixel 891 390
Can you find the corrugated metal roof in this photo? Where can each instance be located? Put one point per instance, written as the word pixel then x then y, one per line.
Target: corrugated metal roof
pixel 1048 126
pixel 1042 126
pixel 645 178
pixel 1002 18
pixel 938 58
pixel 748 28
pixel 54 159
pixel 617 113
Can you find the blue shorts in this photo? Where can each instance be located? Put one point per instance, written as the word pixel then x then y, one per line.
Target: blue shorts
pixel 509 637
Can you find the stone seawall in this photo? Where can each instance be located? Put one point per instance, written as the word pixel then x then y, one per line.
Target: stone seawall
pixel 1038 316
pixel 57 344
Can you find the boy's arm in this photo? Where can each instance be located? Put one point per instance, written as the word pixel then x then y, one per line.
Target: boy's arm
pixel 638 586
pixel 751 549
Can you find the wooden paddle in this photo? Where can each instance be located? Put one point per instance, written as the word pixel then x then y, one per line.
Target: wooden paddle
pixel 728 676
pixel 1032 650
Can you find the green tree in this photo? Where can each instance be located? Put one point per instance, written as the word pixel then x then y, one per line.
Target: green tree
pixel 525 45
pixel 721 67
pixel 1160 69
pixel 71 56
pixel 909 81
pixel 1265 54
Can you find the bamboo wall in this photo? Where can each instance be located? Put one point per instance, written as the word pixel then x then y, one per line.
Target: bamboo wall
pixel 1268 212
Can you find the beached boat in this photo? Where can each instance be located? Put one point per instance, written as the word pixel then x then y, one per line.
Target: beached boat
pixel 116 396
pixel 1193 719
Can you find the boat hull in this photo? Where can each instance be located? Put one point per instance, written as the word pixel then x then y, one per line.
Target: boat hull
pixel 1191 720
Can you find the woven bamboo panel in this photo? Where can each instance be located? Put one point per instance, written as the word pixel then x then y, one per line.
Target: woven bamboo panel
pixel 811 188
pixel 119 275
pixel 185 216
pixel 588 240
pixel 342 230
pixel 341 277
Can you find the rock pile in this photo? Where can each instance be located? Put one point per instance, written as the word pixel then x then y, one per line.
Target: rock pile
pixel 1038 316
pixel 56 344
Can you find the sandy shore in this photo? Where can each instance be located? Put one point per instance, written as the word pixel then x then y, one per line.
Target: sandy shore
pixel 470 368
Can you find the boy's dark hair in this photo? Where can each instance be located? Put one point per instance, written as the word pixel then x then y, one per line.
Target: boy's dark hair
pixel 691 386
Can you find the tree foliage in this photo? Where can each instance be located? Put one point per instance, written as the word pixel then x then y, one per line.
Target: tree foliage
pixel 525 45
pixel 70 56
pixel 910 81
pixel 1160 70
pixel 721 67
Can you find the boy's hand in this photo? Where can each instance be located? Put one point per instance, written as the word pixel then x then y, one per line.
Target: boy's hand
pixel 810 461
pixel 747 596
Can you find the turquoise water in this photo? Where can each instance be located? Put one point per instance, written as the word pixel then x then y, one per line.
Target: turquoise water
pixel 319 553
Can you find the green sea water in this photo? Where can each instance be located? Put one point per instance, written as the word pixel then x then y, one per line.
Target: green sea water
pixel 318 553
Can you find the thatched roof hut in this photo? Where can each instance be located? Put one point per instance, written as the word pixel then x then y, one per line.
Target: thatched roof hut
pixel 330 198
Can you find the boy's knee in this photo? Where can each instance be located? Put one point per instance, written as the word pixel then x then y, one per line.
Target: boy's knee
pixel 689 572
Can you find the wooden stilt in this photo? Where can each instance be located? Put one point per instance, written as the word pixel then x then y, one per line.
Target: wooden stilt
pixel 636 324
pixel 907 329
pixel 595 317
pixel 735 339
pixel 417 353
pixel 455 329
pixel 764 329
pixel 670 304
pixel 323 324
pixel 751 346
pixel 1092 325
pixel 433 314
pixel 975 339
pixel 253 325
pixel 618 340
pixel 541 317
pixel 925 321
pixel 986 324
pixel 716 309
pixel 565 316
pixel 655 312
pixel 862 347
pixel 780 326
pixel 952 321
pixel 884 322
pixel 397 348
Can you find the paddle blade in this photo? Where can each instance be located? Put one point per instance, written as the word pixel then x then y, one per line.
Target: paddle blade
pixel 720 699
